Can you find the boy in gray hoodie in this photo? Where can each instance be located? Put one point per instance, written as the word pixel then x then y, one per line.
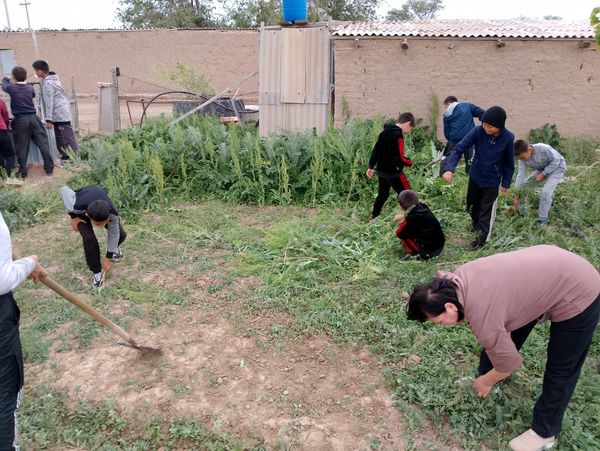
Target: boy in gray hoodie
pixel 549 169
pixel 56 107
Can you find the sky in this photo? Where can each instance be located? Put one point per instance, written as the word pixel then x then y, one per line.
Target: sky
pixel 74 14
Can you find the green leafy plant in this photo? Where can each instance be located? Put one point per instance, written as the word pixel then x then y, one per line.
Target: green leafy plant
pixel 548 134
pixel 595 22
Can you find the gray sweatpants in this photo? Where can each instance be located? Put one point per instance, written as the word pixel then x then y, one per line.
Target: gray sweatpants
pixel 549 186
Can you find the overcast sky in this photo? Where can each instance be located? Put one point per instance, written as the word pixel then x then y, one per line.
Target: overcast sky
pixel 72 14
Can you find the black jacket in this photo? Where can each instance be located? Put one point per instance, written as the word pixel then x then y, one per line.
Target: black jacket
pixel 421 226
pixel 388 154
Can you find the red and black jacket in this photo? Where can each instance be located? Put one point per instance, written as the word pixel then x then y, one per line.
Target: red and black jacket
pixel 422 232
pixel 388 154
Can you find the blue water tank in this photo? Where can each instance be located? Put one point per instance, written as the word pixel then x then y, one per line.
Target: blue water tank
pixel 294 10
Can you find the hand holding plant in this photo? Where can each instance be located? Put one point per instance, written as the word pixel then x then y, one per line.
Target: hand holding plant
pixel 370 172
pixel 448 176
pixel 540 177
pixel 75 223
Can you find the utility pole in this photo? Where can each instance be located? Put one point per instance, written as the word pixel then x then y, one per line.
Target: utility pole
pixel 7 16
pixel 26 4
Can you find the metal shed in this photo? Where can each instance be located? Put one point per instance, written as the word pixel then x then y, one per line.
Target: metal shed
pixel 295 78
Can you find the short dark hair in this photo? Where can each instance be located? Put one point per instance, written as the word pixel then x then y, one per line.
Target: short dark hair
pixel 19 73
pixel 450 99
pixel 408 198
pixel 41 65
pixel 98 210
pixel 428 300
pixel 406 117
pixel 520 146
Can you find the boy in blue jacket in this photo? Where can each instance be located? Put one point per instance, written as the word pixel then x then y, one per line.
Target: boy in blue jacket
pixel 458 121
pixel 493 165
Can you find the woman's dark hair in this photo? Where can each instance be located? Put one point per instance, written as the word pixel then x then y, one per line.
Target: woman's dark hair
pixel 19 73
pixel 98 210
pixel 41 65
pixel 450 99
pixel 520 146
pixel 429 299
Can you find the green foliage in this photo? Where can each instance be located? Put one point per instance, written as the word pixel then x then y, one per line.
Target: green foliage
pixel 145 168
pixel 22 207
pixel 188 78
pixel 166 13
pixel 548 134
pixel 416 10
pixel 581 150
pixel 321 10
pixel 595 22
pixel 251 13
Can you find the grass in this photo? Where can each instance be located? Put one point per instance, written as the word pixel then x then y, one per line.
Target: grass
pixel 325 269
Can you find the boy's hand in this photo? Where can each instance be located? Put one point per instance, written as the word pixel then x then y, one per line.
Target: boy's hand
pixel 399 217
pixel 448 176
pixel 370 172
pixel 540 177
pixel 106 264
pixel 75 223
pixel 39 272
pixel 49 125
pixel 505 191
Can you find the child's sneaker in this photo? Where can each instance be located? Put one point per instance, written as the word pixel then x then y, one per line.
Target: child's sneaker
pixel 542 222
pixel 118 256
pixel 530 441
pixel 98 279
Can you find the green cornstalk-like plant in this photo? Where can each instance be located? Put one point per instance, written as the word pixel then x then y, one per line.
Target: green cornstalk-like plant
pixel 434 114
pixel 595 22
pixel 316 167
pixel 284 183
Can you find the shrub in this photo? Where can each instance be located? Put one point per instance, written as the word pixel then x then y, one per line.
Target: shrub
pixel 548 134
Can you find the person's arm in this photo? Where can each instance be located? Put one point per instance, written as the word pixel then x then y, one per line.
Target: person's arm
pixel 521 174
pixel 112 241
pixel 68 197
pixel 374 158
pixel 403 159
pixel 555 160
pixel 405 230
pixel 7 86
pixel 48 101
pixel 12 272
pixel 466 143
pixel 4 112
pixel 508 166
pixel 484 384
pixel 446 121
pixel 476 111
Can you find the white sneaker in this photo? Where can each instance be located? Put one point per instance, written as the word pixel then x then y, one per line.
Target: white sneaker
pixel 530 441
pixel 118 256
pixel 98 279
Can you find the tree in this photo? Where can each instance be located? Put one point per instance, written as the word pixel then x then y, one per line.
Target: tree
pixel 342 9
pixel 166 13
pixel 416 10
pixel 595 22
pixel 251 13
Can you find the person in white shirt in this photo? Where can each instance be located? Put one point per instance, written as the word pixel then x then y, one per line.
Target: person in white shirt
pixel 12 274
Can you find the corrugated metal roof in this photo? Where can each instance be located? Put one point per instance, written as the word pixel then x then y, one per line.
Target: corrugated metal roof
pixel 452 28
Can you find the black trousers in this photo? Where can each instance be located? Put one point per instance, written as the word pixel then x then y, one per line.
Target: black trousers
pixel 26 128
pixel 91 248
pixel 398 182
pixel 11 369
pixel 65 138
pixel 568 346
pixel 481 205
pixel 448 148
pixel 7 151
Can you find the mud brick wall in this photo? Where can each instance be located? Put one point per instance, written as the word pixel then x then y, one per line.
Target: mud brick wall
pixel 536 81
pixel 224 56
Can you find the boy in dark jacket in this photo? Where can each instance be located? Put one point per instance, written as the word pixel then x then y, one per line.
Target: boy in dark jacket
pixel 493 165
pixel 458 121
pixel 419 231
pixel 26 124
pixel 388 160
pixel 88 207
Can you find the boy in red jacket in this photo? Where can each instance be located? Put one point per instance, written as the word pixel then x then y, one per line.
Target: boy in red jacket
pixel 388 160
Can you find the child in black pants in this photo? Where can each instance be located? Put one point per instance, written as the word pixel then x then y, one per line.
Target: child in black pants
pixel 388 160
pixel 88 207
pixel 419 231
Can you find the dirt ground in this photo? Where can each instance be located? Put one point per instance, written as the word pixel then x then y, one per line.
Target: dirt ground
pixel 226 368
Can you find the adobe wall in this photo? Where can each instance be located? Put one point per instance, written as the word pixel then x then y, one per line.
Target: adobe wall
pixel 536 81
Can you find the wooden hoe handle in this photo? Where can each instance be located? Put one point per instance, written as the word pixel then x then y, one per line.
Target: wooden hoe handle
pixel 87 308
